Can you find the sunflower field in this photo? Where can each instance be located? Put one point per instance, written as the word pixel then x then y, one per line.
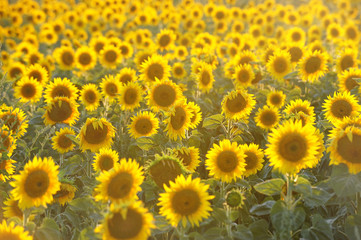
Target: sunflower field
pixel 180 119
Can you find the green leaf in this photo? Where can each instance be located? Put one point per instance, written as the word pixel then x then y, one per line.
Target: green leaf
pixel 343 183
pixel 262 209
pixel 145 143
pixel 81 204
pixel 259 230
pixel 353 227
pixel 270 187
pixel 212 233
pixel 219 215
pixel 313 196
pixel 49 230
pixel 286 220
pixel 213 121
pixel 320 229
pixel 243 233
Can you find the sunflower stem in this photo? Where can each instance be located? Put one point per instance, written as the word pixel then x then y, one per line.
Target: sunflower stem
pixel 181 232
pixel 289 200
pixel 61 160
pixel 229 221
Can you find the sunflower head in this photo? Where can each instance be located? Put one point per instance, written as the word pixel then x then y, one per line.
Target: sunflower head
pixel 301 109
pixel 144 124
pixel 165 39
pixel 226 161
pixel 178 121
pixel 61 141
pixel 347 79
pixel 110 56
pixel 37 183
pixel 96 134
pixel 105 160
pixel 188 156
pixel 65 194
pixel 163 95
pixel 28 89
pixel 110 87
pixel 235 199
pixel 243 76
pixel 12 208
pixel 61 110
pixel 185 199
pixel 130 96
pixel 38 73
pixel 65 57
pixel 60 88
pixel 90 96
pixel 238 104
pixel 126 75
pixel 267 117
pixel 254 158
pixel 11 231
pixel 276 99
pixel 7 141
pixel 85 58
pixel 155 68
pixel 14 119
pixel 279 64
pixel 313 65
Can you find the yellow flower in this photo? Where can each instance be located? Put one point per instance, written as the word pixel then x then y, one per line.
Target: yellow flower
pixel 204 77
pixel 347 59
pixel 12 231
pixel 126 49
pixel 267 117
pixel 226 161
pixel 90 97
pixel 238 104
pixel 85 58
pixel 197 114
pixel 61 142
pixel 347 79
pixel 61 110
pixel 155 68
pixel 276 99
pixel 296 53
pixel 96 134
pixel 163 95
pixel 110 87
pixel 279 64
pixel 7 141
pixel 254 158
pixel 110 56
pixel 65 57
pixel 188 156
pixel 144 124
pixel 37 183
pixel 165 39
pixel 296 36
pixel 130 96
pixel 313 66
pixel 131 223
pixel 60 88
pixel 185 199
pixel 345 148
pixel 341 105
pixel 301 106
pixel 243 76
pixel 15 70
pixel 178 120
pixel 126 75
pixel 105 160
pixel 38 73
pixel 292 147
pixel 7 166
pixel 14 119
pixel 65 194
pixel 178 70
pixel 12 208
pixel 120 184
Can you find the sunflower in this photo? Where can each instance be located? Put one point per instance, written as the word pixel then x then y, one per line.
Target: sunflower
pixel 188 156
pixel 110 56
pixel 197 115
pixel 178 120
pixel 36 184
pixel 38 73
pixel 180 53
pixel 254 158
pixel 85 58
pixel 352 32
pixel 60 88
pixel 296 36
pixel 267 117
pixel 238 104
pixel 90 96
pixel 110 87
pixel 15 70
pixel 131 223
pixel 65 57
pixel 12 231
pixel 163 95
pixel 276 99
pixel 28 89
pixel 301 106
pixel 243 76
pixel 165 169
pixel 130 96
pixel 178 70
pixel 97 43
pixel 12 209
pixel 61 110
pixel 347 59
pixel 346 79
pixel 120 184
pixel 313 66
pixel 334 32
pixel 144 124
pixel 204 77
pixel 155 68
pixel 7 141
pixel 165 39
pixel 341 105
pixel 61 141
pixel 279 64
pixel 292 147
pixel 7 167
pixel 126 75
pixel 105 160
pixel 14 119
pixel 126 49
pixel 34 57
pixel 345 148
pixel 234 199
pixel 185 199
pixel 96 134
pixel 296 53
pixel 142 57
pixel 226 161
pixel 65 194
pixel 48 36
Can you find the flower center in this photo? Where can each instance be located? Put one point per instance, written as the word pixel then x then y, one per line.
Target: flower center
pixel 155 70
pixel 125 78
pixel 205 78
pixel 186 202
pixel 64 141
pixel 341 108
pixel 110 56
pixel 60 113
pixel 346 62
pixel 268 118
pixel 164 171
pixel 90 96
pixel 313 64
pixel 280 65
pixel 128 228
pixel 293 147
pixel 84 59
pixel 236 104
pixel 36 183
pixel 350 151
pixel 164 95
pixel 164 41
pixel 120 185
pixel 243 76
pixel 178 119
pixel 111 89
pixel 251 160
pixel 227 161
pixel 143 126
pixel 36 75
pixel 95 136
pixel 296 54
pixel 67 58
pixel 130 96
pixel 60 91
pixel 185 157
pixel 106 162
